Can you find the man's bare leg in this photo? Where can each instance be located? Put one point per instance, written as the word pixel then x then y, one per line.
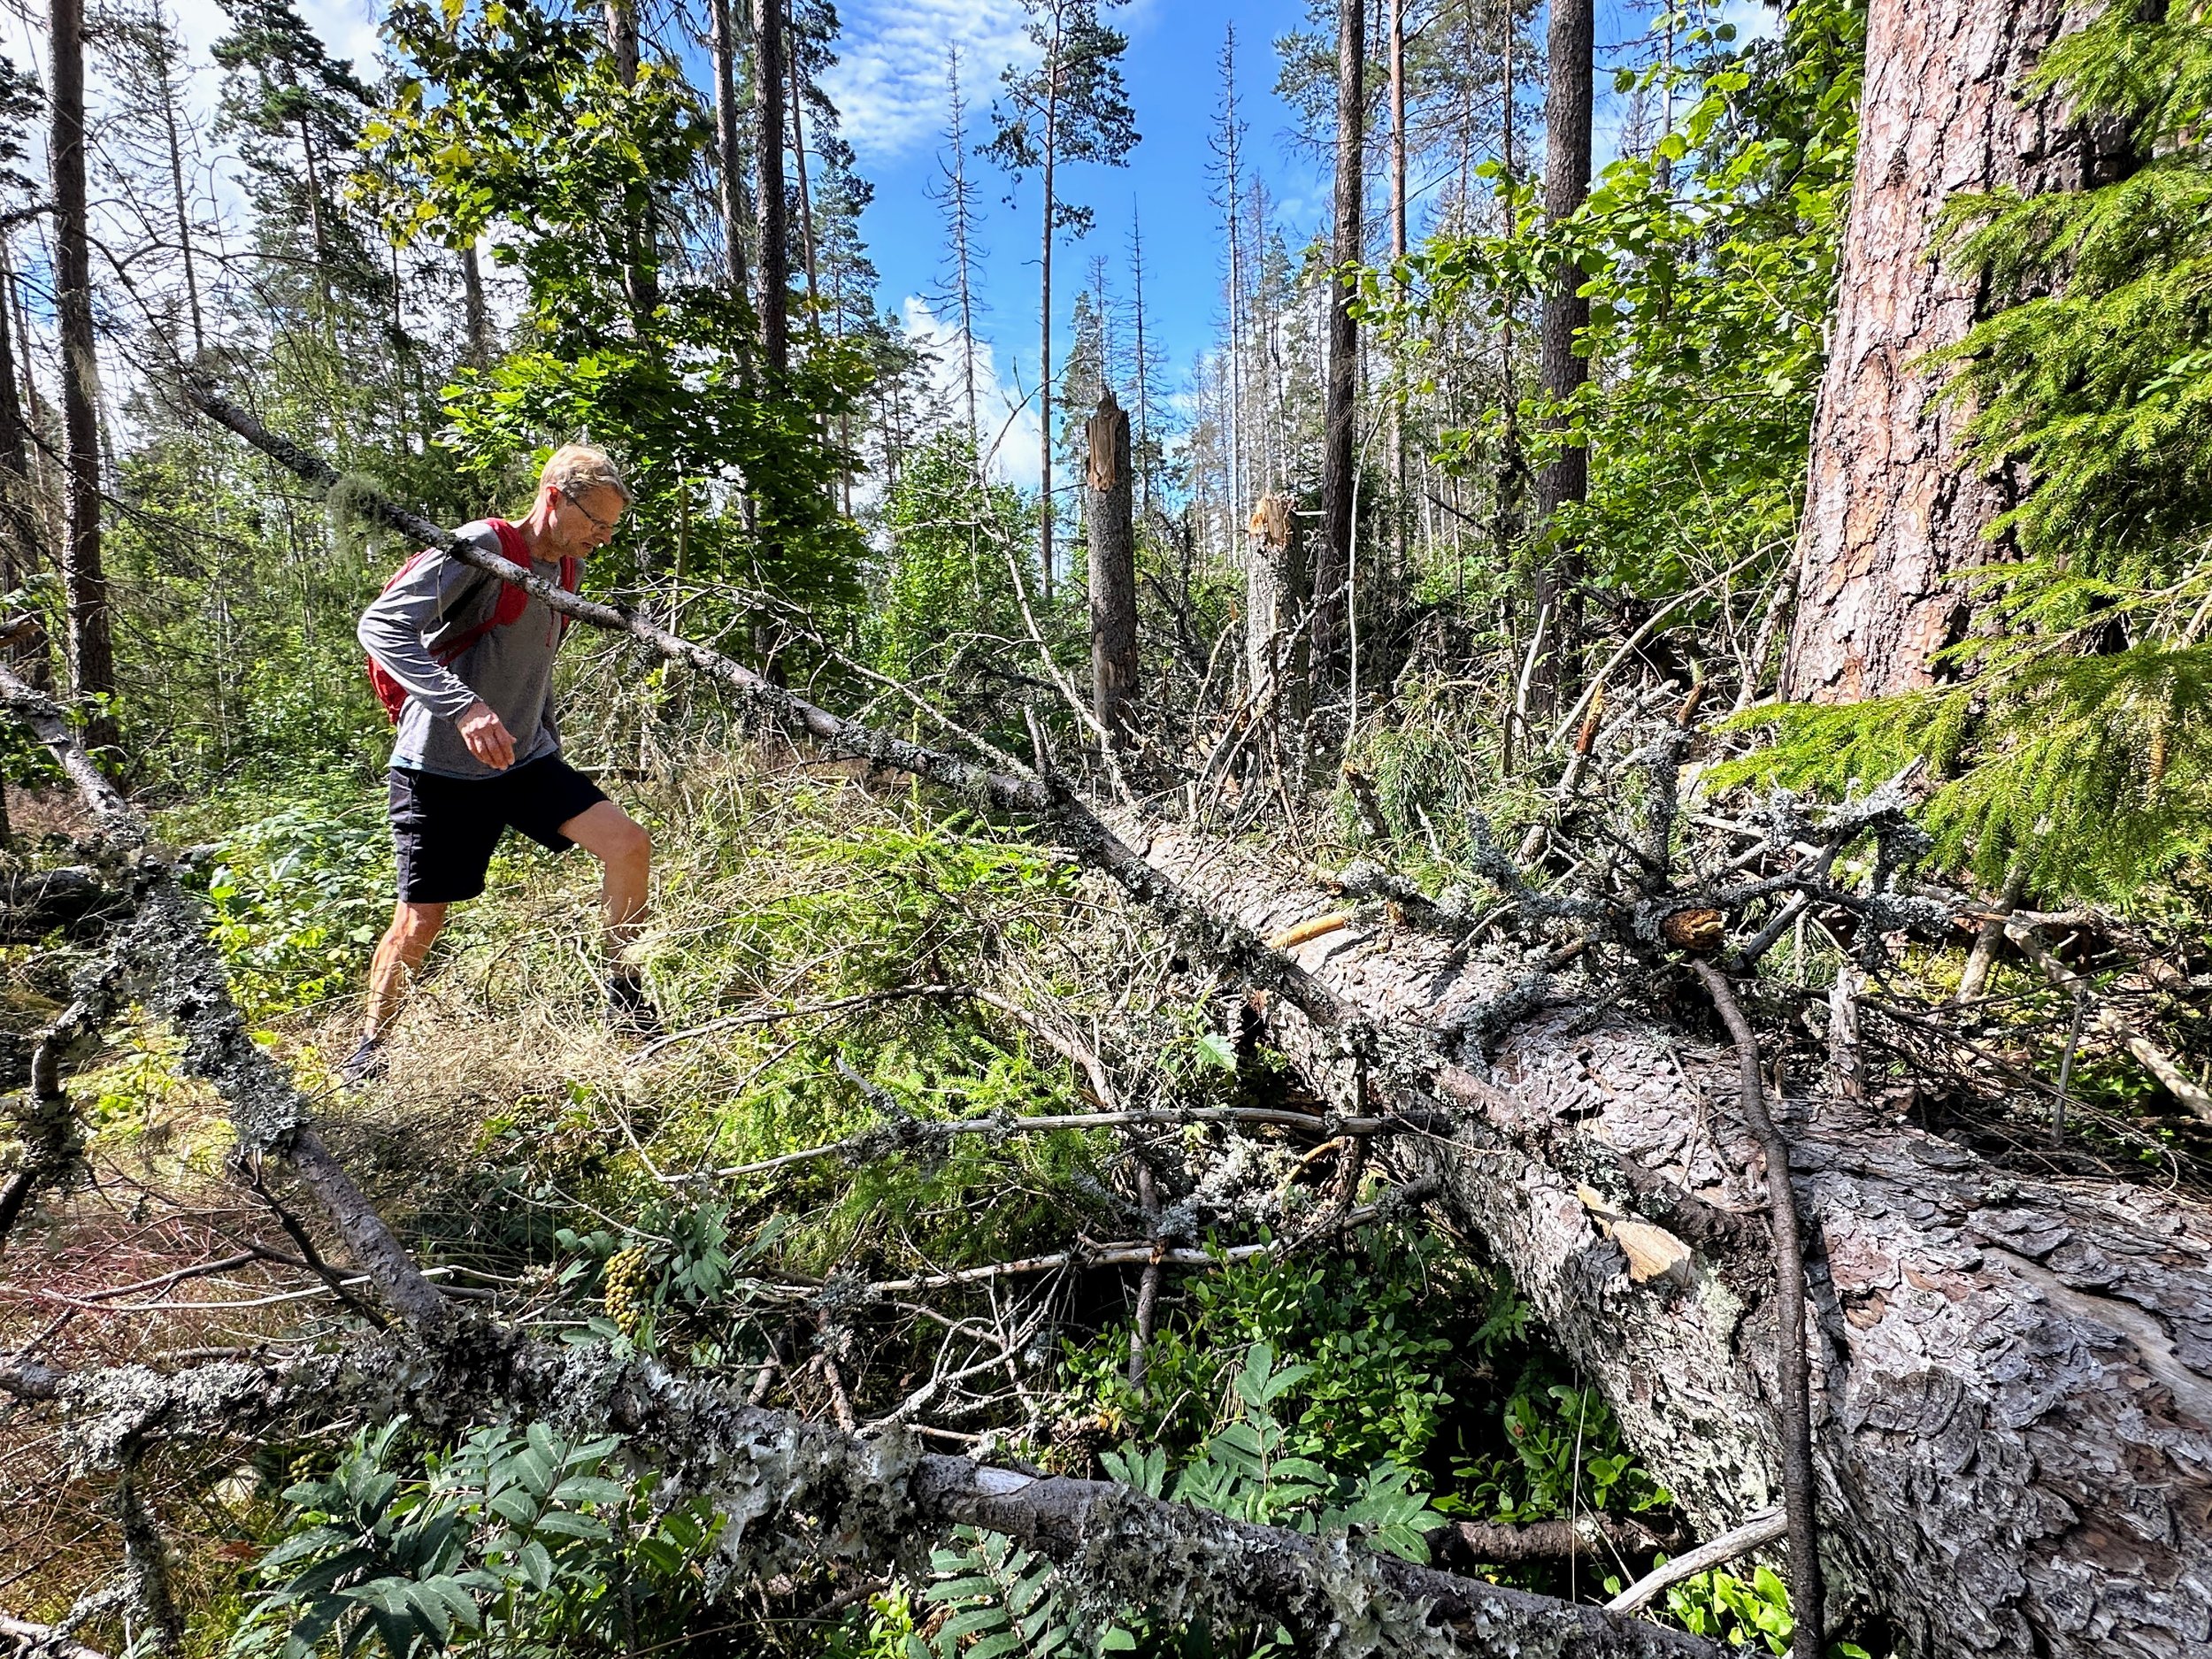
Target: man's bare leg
pixel 399 959
pixel 625 852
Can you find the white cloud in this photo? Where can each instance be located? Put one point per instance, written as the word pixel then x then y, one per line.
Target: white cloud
pixel 1007 417
pixel 889 81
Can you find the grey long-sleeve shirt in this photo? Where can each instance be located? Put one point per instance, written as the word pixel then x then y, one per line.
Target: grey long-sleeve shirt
pixel 511 668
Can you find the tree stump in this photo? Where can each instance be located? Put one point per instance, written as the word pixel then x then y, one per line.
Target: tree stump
pixel 1113 567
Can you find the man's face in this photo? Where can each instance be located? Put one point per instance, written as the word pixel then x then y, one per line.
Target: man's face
pixel 584 521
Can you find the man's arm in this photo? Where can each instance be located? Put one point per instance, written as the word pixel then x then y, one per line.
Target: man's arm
pixel 392 629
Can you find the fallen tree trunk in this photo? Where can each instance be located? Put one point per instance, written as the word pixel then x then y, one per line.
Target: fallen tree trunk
pixel 869 1499
pixel 2012 1379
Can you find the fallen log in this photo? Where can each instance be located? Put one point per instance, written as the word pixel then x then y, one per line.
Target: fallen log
pixel 2011 1378
pixel 873 1499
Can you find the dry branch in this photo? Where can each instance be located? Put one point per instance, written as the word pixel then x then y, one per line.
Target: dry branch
pixel 1793 1382
pixel 2162 1066
pixel 1756 1533
pixel 167 945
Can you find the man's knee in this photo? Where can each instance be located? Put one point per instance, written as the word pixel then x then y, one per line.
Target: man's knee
pixel 627 843
pixel 414 926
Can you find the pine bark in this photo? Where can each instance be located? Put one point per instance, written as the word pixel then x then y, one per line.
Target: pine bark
pixel 1332 563
pixel 1566 479
pixel 90 647
pixel 1113 567
pixel 774 252
pixel 2012 1379
pixel 1275 588
pixel 1893 512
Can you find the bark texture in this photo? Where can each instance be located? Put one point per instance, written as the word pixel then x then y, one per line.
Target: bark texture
pixel 1275 589
pixel 1893 514
pixel 1113 566
pixel 2011 1380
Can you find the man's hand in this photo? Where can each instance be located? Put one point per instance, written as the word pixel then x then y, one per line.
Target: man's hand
pixel 488 739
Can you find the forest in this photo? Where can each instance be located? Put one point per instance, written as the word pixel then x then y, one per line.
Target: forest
pixel 1518 963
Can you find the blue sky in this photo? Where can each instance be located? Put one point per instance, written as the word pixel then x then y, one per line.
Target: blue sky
pixel 890 89
pixel 889 86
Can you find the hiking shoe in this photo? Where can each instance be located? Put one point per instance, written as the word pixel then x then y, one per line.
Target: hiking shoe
pixel 630 1009
pixel 365 1064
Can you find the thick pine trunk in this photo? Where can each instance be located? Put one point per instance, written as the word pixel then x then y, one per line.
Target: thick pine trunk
pixel 1333 565
pixel 1566 477
pixel 1113 567
pixel 1892 514
pixel 2012 1379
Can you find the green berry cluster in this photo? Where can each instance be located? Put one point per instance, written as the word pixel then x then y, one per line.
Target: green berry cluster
pixel 625 1281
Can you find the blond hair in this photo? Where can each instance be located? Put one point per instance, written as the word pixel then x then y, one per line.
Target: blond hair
pixel 574 468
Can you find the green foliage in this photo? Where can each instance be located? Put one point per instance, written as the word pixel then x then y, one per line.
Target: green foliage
pixel 949 612
pixel 511 1543
pixel 510 121
pixel 1565 1456
pixel 1251 1469
pixel 299 896
pixel 1370 1336
pixel 1709 265
pixel 1001 1601
pixel 514 123
pixel 1739 1611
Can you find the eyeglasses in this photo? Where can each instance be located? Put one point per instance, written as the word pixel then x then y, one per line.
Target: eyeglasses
pixel 605 528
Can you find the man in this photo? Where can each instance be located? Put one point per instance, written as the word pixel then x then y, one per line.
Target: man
pixel 478 751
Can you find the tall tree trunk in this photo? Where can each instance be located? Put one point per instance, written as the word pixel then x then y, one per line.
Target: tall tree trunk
pixel 806 199
pixel 1397 253
pixel 1233 397
pixel 722 44
pixel 176 186
pixel 19 524
pixel 91 649
pixel 1044 347
pixel 1332 562
pixel 315 224
pixel 768 205
pixel 1567 107
pixel 479 320
pixel 1113 566
pixel 1892 515
pixel 2012 1379
pixel 640 280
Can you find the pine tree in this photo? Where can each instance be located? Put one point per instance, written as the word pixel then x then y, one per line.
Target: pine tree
pixel 954 197
pixel 1073 107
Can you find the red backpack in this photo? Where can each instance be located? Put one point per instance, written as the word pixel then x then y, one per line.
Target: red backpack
pixel 513 600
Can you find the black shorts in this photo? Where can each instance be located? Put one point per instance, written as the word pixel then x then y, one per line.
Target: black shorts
pixel 444 829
